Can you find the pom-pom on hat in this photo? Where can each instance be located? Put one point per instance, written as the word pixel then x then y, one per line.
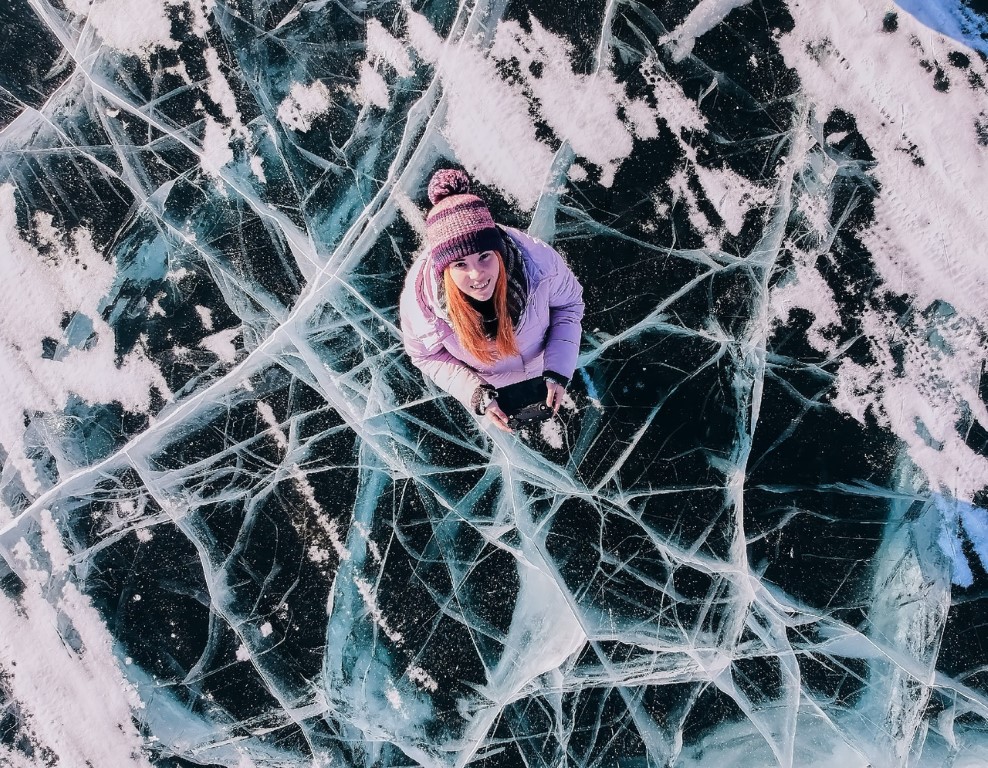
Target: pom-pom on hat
pixel 459 223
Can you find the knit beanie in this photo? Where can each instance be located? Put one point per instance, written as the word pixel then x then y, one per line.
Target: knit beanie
pixel 459 223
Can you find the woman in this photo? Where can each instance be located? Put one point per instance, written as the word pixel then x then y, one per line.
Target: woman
pixel 486 306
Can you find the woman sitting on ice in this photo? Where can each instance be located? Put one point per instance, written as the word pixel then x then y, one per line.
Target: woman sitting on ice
pixel 487 306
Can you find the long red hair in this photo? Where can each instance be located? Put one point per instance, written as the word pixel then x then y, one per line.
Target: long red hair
pixel 468 323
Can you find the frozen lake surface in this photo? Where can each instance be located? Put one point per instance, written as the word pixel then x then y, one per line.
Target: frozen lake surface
pixel 238 528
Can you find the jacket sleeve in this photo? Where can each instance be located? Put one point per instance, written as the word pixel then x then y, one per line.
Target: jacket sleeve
pixel 449 374
pixel 562 346
pixel 445 371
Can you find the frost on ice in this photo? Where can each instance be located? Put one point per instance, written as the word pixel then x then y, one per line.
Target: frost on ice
pixel 239 529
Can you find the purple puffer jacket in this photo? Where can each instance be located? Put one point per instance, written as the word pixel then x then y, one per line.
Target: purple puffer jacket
pixel 548 332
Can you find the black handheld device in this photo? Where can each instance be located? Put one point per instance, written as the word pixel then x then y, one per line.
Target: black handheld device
pixel 530 414
pixel 524 402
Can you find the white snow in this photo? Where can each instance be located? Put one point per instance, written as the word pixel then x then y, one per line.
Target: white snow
pixel 371 88
pixel 53 682
pixel 303 104
pixel 674 108
pixel 930 218
pixel 706 15
pixel 576 173
pixel 582 109
pixel 59 559
pixel 35 291
pixel 383 47
pixel 552 432
pixel 200 10
pixel 372 547
pixel 115 23
pixel 206 316
pixel 393 696
pixel 489 122
pixel 806 289
pixel 257 167
pixel 488 125
pixel 216 151
pixel 924 404
pixel 222 344
pixel 384 51
pixel 274 428
pixel 682 192
pixel 317 552
pixel 418 675
pixel 220 92
pixel 731 195
pixel 369 596
pixel 931 221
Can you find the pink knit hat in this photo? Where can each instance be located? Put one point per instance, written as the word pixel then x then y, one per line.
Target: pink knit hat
pixel 459 223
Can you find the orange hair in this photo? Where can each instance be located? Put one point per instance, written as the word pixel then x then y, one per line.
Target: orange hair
pixel 468 324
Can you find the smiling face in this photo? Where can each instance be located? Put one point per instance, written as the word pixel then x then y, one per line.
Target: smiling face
pixel 476 274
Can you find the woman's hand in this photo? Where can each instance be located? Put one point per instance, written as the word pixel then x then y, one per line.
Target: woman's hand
pixel 498 417
pixel 555 397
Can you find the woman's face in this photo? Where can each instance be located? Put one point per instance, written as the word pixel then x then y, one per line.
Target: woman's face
pixel 477 274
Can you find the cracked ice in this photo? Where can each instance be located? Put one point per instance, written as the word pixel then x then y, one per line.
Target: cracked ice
pixel 238 528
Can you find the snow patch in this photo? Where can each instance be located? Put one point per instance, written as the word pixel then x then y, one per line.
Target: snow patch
pixel 53 680
pixel 930 218
pixel 370 601
pixel 206 316
pixel 552 432
pixel 678 112
pixel 581 109
pixel 114 22
pixel 36 291
pixel 488 124
pixel 257 168
pixel 216 151
pixel 371 88
pixel 220 92
pixel 222 344
pixel 424 680
pixel 806 289
pixel 303 104
pixel 383 47
pixel 705 15
pixel 731 195
pixel 489 120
